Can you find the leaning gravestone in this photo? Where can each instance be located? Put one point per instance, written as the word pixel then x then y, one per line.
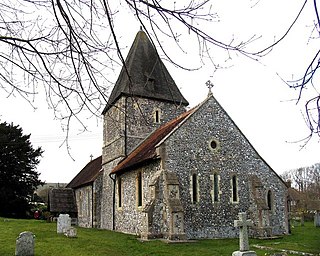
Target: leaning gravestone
pixel 243 224
pixel 317 219
pixel 71 232
pixel 25 244
pixel 63 223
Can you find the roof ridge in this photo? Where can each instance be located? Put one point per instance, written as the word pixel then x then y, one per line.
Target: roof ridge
pixel 87 174
pixel 192 111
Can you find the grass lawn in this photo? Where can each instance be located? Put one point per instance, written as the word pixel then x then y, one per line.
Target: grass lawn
pixel 103 242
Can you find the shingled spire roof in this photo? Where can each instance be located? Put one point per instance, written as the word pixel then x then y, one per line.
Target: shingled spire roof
pixel 149 77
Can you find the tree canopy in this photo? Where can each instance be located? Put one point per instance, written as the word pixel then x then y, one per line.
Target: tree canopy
pixel 18 175
pixel 307 181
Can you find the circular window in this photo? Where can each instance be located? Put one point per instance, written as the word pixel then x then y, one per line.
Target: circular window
pixel 214 144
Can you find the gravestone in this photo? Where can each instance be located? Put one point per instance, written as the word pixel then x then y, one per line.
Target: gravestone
pixel 243 225
pixel 317 219
pixel 25 244
pixel 63 223
pixel 71 232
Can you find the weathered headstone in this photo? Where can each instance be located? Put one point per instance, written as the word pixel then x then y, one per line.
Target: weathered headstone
pixel 317 219
pixel 243 224
pixel 63 223
pixel 25 244
pixel 71 232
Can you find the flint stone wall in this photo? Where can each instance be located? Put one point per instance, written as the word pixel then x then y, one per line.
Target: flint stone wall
pixel 188 151
pixel 88 204
pixel 126 117
pixel 98 191
pixel 106 209
pixel 129 218
pixel 139 126
pixel 115 147
pixel 84 205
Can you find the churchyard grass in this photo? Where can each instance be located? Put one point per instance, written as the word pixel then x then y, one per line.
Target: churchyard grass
pixel 305 239
pixel 101 242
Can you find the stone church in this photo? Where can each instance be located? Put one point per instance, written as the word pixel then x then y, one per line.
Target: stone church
pixel 171 173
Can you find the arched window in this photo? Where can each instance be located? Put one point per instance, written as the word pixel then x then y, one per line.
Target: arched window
pixel 80 203
pixel 139 189
pixel 269 200
pixel 119 192
pixel 194 184
pixel 215 187
pixel 234 184
pixel 157 116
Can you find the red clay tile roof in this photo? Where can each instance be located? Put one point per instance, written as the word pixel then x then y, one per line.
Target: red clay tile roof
pixel 147 149
pixel 87 175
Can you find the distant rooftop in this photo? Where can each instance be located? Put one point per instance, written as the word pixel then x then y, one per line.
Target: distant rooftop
pixel 62 200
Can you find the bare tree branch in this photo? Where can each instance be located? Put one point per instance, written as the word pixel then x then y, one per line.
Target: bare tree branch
pixel 71 48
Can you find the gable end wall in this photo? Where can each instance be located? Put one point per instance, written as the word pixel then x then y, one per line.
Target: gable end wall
pixel 188 152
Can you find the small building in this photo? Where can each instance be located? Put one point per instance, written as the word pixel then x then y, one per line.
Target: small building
pixel 42 191
pixel 62 200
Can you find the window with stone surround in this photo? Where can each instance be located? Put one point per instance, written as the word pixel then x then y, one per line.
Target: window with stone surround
pixel 119 192
pixel 80 204
pixel 194 188
pixel 234 189
pixel 215 187
pixel 214 145
pixel 157 116
pixel 89 207
pixel 139 189
pixel 269 200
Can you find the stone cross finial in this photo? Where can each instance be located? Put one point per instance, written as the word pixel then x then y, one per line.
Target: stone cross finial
pixel 209 85
pixel 243 224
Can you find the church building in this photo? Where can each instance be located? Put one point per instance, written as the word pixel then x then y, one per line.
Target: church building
pixel 171 173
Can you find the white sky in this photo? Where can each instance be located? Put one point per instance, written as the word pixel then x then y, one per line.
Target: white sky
pixel 251 92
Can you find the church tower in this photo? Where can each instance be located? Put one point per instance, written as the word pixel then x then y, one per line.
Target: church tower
pixel 144 97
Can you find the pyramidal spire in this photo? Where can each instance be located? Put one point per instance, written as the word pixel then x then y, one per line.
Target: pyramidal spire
pixel 144 75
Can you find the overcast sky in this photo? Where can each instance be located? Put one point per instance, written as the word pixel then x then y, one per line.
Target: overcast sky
pixel 252 92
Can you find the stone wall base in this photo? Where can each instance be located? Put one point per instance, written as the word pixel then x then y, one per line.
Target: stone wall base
pixel 262 232
pixel 180 236
pixel 150 236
